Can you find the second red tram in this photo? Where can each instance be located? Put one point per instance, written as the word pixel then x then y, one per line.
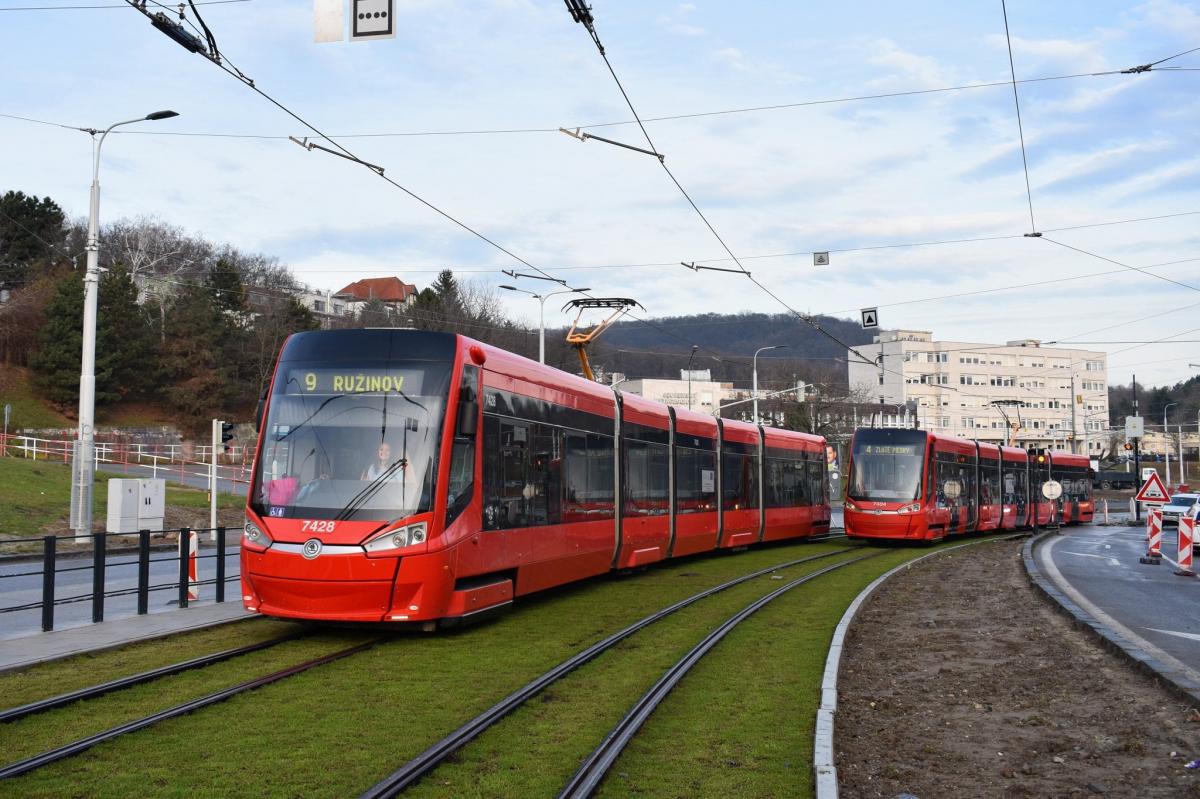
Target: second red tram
pixel 411 476
pixel 913 484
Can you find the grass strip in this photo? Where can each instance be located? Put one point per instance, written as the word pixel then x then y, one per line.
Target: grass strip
pixel 750 736
pixel 54 728
pixel 536 750
pixel 376 710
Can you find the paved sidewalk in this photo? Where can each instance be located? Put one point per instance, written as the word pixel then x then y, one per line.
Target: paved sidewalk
pixel 17 653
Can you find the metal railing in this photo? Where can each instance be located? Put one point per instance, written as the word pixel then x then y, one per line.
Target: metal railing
pixel 166 460
pixel 99 564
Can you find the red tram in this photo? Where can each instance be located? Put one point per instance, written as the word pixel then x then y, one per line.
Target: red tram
pixel 912 484
pixel 411 476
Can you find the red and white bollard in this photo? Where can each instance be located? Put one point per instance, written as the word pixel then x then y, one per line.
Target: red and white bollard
pixel 1153 537
pixel 1187 528
pixel 193 550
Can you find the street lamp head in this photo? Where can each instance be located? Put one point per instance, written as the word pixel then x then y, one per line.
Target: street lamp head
pixel 585 288
pixel 780 347
pixel 157 115
pixel 510 288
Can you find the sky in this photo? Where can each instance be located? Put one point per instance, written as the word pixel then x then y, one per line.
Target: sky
pixel 851 177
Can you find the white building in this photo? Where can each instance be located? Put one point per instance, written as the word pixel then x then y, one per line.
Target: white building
pixel 706 395
pixel 1040 396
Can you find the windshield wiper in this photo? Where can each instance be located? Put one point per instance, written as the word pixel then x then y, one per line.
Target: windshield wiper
pixel 371 488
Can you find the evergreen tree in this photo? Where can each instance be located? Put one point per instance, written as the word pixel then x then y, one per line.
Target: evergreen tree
pixel 449 295
pixel 374 314
pixel 125 363
pixel 31 230
pixel 56 361
pixel 195 370
pixel 225 282
pixel 125 359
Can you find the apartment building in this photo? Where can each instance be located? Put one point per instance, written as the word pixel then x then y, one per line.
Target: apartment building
pixel 1022 392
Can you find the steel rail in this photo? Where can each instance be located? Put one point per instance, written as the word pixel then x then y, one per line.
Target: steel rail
pixel 595 767
pixel 17 713
pixel 83 744
pixel 413 770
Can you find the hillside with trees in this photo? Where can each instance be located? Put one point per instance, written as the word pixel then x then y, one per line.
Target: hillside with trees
pixel 192 327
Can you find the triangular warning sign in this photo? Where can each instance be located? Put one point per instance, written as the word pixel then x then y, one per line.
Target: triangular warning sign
pixel 1153 492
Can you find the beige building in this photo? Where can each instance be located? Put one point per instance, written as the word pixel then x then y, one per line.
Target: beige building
pixel 1041 396
pixel 706 395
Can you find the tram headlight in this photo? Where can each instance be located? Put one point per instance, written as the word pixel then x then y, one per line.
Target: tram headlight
pixel 848 505
pixel 254 539
pixel 913 508
pixel 399 538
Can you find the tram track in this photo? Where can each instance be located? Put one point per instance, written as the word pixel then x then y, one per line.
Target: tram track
pixel 28 764
pixel 596 766
pixel 23 711
pixel 412 771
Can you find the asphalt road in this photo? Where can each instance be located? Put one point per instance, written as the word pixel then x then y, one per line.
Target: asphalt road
pixel 1149 604
pixel 21 583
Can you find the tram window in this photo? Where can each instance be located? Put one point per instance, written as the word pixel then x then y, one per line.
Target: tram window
pixel 645 478
pixel 786 483
pixel 695 480
pixel 818 486
pixel 600 475
pixel 462 456
pixel 739 481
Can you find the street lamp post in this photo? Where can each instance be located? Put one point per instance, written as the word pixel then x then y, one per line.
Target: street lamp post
pixel 754 388
pixel 84 466
pixel 1167 441
pixel 541 298
pixel 689 371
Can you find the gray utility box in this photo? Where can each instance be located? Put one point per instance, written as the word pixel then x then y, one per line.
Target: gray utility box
pixel 135 505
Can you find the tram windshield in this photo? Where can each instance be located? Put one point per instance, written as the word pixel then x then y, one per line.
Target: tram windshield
pixel 351 442
pixel 886 465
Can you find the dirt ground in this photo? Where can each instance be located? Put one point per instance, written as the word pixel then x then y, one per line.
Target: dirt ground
pixel 958 680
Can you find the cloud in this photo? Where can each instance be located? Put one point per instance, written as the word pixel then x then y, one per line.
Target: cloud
pixel 675 24
pixel 1074 56
pixel 910 69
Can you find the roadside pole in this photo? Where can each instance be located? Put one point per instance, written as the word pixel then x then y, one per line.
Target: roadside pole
pixel 212 479
pixel 1137 462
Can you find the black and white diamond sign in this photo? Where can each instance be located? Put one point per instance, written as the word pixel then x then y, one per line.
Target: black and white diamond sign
pixel 870 318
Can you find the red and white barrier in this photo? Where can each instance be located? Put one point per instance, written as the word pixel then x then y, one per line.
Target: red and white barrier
pixel 1153 537
pixel 1187 529
pixel 193 552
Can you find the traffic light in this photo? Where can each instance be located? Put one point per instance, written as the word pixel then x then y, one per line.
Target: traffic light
pixel 226 434
pixel 1041 458
pixel 1128 445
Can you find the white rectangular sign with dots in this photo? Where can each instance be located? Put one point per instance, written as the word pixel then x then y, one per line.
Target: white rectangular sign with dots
pixel 372 19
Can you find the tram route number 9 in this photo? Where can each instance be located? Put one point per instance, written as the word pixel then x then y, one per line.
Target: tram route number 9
pixel 322 381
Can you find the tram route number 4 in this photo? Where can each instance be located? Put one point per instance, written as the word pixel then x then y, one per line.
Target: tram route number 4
pixel 1153 492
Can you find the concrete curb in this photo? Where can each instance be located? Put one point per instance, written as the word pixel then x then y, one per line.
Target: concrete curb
pixel 823 754
pixel 40 648
pixel 1180 685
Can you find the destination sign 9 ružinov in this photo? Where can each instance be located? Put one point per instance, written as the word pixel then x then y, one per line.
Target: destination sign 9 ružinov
pixel 347 381
pixel 890 449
